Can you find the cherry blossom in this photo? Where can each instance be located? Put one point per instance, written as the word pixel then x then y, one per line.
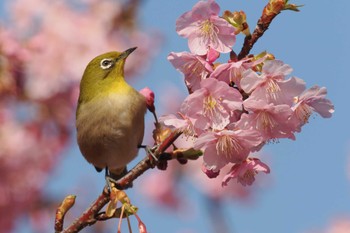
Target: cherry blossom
pixel 245 172
pixel 180 122
pixel 313 99
pixel 272 121
pixel 232 71
pixel 204 28
pixel 213 187
pixel 226 146
pixel 212 105
pixel 271 85
pixel 195 68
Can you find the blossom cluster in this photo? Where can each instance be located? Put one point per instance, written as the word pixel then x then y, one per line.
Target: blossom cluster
pixel 235 108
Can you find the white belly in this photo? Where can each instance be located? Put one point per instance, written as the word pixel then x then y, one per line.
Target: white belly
pixel 109 130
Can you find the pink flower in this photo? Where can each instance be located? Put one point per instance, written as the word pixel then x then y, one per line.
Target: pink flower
pixel 195 68
pixel 213 187
pixel 272 121
pixel 212 105
pixel 226 146
pixel 231 72
pixel 149 96
pixel 204 28
pixel 180 122
pixel 245 172
pixel 271 85
pixel 314 99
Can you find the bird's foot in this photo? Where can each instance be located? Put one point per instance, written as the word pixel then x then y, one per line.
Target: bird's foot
pixel 150 153
pixel 111 180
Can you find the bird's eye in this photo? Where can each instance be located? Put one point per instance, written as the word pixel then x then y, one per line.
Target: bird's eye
pixel 106 63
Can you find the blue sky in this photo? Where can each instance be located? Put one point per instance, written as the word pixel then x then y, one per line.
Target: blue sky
pixel 310 185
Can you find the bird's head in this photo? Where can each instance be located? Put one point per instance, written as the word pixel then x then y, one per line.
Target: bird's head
pixel 102 73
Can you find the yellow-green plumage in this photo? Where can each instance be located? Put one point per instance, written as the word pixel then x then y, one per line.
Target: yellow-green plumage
pixel 110 114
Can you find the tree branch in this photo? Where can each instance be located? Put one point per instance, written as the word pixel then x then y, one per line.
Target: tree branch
pixel 88 217
pixel 91 215
pixel 271 10
pixel 148 162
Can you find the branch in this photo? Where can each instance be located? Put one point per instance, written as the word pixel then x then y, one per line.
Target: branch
pixel 61 211
pixel 271 10
pixel 148 162
pixel 91 215
pixel 88 217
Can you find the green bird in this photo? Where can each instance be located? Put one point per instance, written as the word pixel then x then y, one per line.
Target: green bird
pixel 110 115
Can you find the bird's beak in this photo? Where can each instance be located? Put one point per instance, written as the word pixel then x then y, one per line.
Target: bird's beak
pixel 126 53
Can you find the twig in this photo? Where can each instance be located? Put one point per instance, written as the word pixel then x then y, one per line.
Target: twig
pixel 88 217
pixel 147 162
pixel 61 211
pixel 91 215
pixel 269 13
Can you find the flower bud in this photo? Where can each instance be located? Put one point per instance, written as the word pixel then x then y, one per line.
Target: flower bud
pixel 149 95
pixel 292 7
pixel 210 173
pixel 274 7
pixel 212 55
pixel 237 20
pixel 142 227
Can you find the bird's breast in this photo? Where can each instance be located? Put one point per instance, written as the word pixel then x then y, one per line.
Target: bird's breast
pixel 110 129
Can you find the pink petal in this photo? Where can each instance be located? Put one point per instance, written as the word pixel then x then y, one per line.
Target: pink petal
pixel 212 55
pixel 276 68
pixel 324 107
pixel 250 80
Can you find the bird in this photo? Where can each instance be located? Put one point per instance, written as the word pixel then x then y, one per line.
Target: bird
pixel 110 115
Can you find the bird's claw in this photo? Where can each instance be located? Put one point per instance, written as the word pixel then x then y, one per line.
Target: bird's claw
pixel 150 153
pixel 110 182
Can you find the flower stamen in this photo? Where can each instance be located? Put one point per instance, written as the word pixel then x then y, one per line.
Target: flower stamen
pixel 273 89
pixel 228 146
pixel 265 122
pixel 209 31
pixel 209 105
pixel 303 112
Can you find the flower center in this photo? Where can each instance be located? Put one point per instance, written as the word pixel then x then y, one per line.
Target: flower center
pixel 228 146
pixel 303 112
pixel 189 129
pixel 273 89
pixel 209 105
pixel 208 30
pixel 196 69
pixel 265 121
pixel 249 175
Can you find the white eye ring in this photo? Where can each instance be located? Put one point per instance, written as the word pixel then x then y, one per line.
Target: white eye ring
pixel 106 63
